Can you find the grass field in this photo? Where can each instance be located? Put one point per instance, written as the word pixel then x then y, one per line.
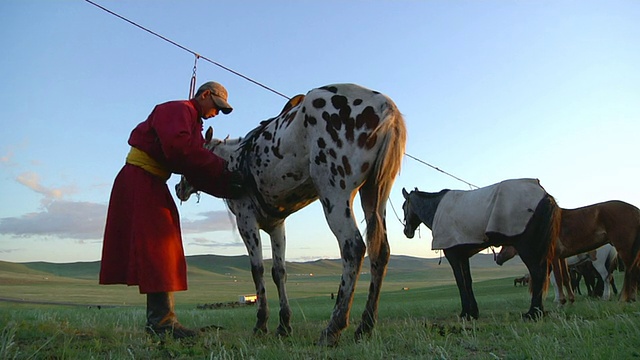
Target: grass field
pixel 418 323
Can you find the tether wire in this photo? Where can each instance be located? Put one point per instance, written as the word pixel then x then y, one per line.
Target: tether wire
pixel 197 55
pixel 187 49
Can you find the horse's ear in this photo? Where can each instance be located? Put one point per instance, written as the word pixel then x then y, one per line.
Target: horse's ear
pixel 405 193
pixel 208 135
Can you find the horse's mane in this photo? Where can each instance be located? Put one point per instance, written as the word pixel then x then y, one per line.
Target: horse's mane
pixel 252 136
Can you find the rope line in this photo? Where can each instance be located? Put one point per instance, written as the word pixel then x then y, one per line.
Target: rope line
pixel 442 171
pixel 198 56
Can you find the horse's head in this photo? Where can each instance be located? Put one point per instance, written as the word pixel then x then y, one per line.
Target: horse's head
pixel 183 188
pixel 506 253
pixel 411 220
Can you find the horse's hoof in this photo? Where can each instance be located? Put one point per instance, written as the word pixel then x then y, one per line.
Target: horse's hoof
pixel 260 331
pixel 361 333
pixel 328 339
pixel 283 331
pixel 468 317
pixel 534 315
pixel 563 301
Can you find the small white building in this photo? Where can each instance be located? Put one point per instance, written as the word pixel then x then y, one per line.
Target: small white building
pixel 247 299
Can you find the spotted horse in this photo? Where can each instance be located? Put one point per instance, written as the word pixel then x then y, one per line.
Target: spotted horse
pixel 336 141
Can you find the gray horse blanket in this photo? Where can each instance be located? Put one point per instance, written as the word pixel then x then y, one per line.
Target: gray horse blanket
pixel 465 217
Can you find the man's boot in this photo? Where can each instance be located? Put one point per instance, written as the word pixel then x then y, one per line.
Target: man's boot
pixel 161 318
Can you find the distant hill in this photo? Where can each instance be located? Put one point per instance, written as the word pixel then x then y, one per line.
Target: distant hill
pixel 239 265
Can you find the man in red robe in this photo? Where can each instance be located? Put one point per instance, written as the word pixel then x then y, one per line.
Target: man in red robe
pixel 142 239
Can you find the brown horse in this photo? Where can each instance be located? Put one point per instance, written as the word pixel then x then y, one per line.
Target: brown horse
pixel 589 227
pixel 524 281
pixel 515 212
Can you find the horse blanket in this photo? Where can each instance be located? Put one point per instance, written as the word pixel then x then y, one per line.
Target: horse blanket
pixel 466 217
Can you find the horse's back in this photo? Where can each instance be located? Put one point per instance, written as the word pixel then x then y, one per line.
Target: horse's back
pixel 466 217
pixel 352 131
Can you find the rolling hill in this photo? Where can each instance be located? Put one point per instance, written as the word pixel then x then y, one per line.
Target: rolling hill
pixel 222 278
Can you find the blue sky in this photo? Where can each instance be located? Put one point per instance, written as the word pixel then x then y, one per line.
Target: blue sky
pixel 490 90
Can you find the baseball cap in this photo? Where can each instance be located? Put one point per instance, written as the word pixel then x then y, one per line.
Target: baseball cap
pixel 219 95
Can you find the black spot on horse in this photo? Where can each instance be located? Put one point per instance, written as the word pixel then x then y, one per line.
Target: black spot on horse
pixel 368 118
pixel 310 120
pixel 334 170
pixel 321 158
pixel 346 165
pixel 362 140
pixel 336 121
pixel 339 102
pixel 276 151
pixel 319 103
pixel 327 204
pixel 332 89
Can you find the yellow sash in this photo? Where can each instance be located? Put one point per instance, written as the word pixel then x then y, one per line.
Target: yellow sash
pixel 141 159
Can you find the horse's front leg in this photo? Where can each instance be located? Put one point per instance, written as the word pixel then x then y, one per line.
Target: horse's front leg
pixel 352 249
pixel 248 228
pixel 279 275
pixel 458 258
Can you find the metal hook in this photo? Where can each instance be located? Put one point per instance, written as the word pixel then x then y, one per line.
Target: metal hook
pixel 192 85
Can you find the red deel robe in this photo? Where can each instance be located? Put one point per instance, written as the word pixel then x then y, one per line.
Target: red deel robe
pixel 142 239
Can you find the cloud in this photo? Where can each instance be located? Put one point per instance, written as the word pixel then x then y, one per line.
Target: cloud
pixel 211 221
pixel 32 181
pixel 63 219
pixel 6 158
pixel 85 221
pixel 205 242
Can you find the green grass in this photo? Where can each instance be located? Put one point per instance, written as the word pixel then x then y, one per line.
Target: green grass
pixel 419 323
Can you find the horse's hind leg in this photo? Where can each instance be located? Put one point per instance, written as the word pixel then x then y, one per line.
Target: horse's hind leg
pixel 538 271
pixel 339 214
pixel 629 253
pixel 279 275
pixel 630 283
pixel 378 251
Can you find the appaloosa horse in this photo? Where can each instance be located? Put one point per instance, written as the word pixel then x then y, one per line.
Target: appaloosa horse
pixel 336 141
pixel 517 212
pixel 589 227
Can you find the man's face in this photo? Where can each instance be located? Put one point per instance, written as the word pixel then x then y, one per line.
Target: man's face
pixel 209 108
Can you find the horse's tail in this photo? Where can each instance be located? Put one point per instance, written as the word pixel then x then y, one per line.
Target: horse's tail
pixel 393 131
pixel 552 234
pixel 546 249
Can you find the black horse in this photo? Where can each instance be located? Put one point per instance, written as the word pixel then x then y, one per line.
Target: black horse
pixel 514 212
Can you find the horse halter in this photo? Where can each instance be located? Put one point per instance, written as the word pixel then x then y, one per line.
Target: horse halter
pixel 406 207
